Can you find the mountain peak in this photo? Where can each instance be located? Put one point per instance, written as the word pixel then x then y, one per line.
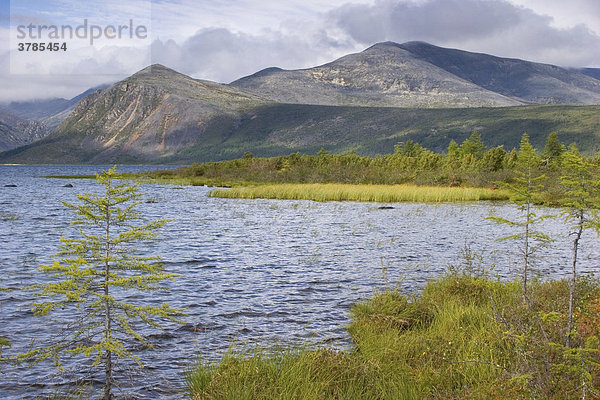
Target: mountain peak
pixel 404 46
pixel 155 69
pixel 157 75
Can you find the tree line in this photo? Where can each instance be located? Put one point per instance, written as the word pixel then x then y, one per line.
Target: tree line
pixel 470 163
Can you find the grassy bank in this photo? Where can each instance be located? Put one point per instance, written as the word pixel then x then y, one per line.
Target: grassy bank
pixel 367 193
pixel 463 337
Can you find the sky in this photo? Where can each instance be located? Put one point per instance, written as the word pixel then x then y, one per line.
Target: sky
pixel 223 40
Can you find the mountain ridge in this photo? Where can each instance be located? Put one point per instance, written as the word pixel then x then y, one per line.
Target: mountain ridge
pixel 382 75
pixel 25 122
pixel 160 115
pixel 456 78
pixel 510 76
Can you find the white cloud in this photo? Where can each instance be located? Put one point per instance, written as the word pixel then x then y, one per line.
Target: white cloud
pixel 27 87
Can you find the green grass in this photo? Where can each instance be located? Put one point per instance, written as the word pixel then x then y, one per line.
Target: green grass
pixel 463 337
pixel 294 374
pixel 365 193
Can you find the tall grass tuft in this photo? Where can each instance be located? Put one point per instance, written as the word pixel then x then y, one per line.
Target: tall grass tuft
pixel 463 337
pixel 363 193
pixel 297 374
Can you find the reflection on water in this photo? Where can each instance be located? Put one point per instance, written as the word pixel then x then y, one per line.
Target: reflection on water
pixel 253 272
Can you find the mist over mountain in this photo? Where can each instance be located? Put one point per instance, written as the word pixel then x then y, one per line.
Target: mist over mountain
pixel 24 122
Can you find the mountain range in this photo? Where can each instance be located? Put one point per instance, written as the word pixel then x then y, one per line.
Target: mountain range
pixel 25 122
pixel 417 74
pixel 366 101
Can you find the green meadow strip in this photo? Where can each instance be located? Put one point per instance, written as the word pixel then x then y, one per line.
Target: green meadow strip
pixel 362 193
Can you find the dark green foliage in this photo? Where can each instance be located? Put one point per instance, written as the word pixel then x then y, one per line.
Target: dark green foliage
pixel 495 159
pixel 276 130
pixel 553 150
pixel 410 163
pixel 473 145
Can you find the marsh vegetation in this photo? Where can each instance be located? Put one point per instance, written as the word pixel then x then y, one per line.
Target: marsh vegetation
pixel 366 193
pixel 411 169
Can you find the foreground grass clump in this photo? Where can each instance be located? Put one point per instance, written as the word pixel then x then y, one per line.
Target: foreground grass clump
pixel 296 374
pixel 367 193
pixel 463 337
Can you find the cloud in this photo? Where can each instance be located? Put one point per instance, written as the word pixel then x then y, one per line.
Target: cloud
pixel 433 21
pixel 221 55
pixel 29 87
pixel 41 74
pixel 497 27
pixel 567 14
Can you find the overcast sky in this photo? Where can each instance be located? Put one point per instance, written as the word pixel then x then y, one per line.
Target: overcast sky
pixel 223 40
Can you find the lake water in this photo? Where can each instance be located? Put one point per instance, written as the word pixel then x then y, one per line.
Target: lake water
pixel 255 272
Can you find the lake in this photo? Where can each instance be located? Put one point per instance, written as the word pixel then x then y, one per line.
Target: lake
pixel 253 272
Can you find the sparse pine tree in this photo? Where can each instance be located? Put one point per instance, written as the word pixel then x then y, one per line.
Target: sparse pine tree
pixel 408 149
pixel 93 274
pixel 581 199
pixel 453 156
pixel 523 190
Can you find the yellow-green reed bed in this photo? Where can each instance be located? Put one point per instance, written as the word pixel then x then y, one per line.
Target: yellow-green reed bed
pixel 463 337
pixel 367 193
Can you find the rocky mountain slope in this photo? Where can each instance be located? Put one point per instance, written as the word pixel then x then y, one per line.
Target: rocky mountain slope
pixel 593 72
pixel 158 115
pixel 24 122
pixel 15 131
pixel 384 75
pixel 527 81
pixel 417 74
pixel 150 115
